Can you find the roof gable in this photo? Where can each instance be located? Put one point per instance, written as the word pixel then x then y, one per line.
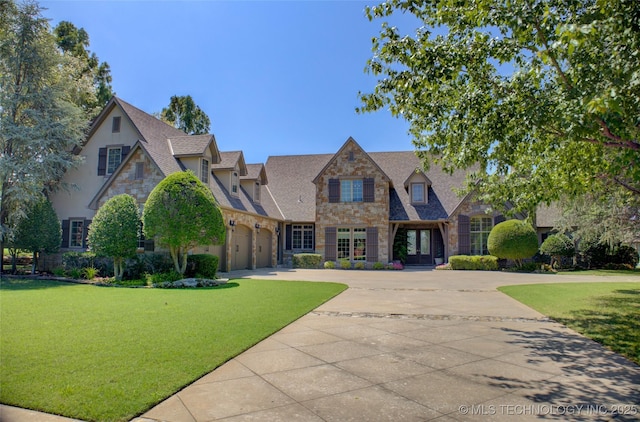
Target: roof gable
pixel 256 172
pixel 350 143
pixel 194 145
pixel 232 160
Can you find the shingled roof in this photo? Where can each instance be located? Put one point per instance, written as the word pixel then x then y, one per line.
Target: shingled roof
pixel 291 183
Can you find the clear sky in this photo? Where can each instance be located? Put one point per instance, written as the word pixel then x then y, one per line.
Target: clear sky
pixel 274 77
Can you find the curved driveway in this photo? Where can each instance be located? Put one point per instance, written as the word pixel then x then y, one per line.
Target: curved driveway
pixel 416 345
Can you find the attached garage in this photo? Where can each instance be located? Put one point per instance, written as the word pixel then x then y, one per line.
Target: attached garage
pixel 241 248
pixel 263 249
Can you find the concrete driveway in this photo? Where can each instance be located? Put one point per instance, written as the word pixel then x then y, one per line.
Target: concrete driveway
pixel 413 345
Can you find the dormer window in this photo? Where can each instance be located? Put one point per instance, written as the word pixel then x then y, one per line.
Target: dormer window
pixel 204 171
pixel 234 183
pixel 256 194
pixel 418 193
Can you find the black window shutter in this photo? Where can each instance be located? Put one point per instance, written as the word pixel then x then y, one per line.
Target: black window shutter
pixel 287 237
pixel 372 244
pixel 330 241
pixel 125 150
pixel 65 234
pixel 368 190
pixel 498 219
pixel 102 161
pixel 464 239
pixel 149 245
pixel 334 190
pixel 85 233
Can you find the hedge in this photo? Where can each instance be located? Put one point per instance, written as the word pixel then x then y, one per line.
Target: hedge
pixel 307 260
pixel 473 262
pixel 202 266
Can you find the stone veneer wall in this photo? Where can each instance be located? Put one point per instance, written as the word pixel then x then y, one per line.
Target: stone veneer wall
pixel 248 220
pixel 471 208
pixel 353 214
pixel 126 182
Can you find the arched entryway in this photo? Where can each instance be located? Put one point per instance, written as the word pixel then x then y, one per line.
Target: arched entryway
pixel 241 248
pixel 263 248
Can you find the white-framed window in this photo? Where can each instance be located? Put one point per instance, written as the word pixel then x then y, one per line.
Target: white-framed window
pixel 76 232
pixel 479 229
pixel 256 194
pixel 418 193
pixel 302 236
pixel 234 183
pixel 114 158
pixel 352 243
pixel 204 171
pixel 351 190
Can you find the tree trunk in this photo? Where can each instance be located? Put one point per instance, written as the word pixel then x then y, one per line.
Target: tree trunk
pixel 34 262
pixel 174 257
pixel 117 268
pixel 183 266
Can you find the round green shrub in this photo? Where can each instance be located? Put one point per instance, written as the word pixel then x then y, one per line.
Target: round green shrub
pixel 359 265
pixel 378 266
pixel 345 264
pixel 329 265
pixel 202 266
pixel 557 246
pixel 513 239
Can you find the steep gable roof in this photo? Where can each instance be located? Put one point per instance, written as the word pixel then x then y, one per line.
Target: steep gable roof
pixel 229 160
pixel 256 172
pixel 348 143
pixel 194 145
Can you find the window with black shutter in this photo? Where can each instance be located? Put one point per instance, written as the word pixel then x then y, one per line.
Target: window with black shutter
pixel 464 244
pixel 368 188
pixel 65 234
pixel 334 190
pixel 330 253
pixel 372 244
pixel 102 161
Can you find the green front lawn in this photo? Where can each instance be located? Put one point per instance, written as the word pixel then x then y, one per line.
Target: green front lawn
pixel 106 353
pixel 608 313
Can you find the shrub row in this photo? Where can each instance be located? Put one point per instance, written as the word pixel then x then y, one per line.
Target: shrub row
pixel 307 260
pixel 82 264
pixel 473 262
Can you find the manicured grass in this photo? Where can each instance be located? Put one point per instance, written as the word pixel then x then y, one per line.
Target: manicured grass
pixel 109 353
pixel 635 272
pixel 608 313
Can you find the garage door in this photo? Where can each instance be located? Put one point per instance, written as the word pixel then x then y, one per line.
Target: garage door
pixel 263 249
pixel 241 248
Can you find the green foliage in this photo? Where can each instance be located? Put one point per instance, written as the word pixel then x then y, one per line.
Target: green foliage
pixel 329 265
pixel 307 260
pixel 39 123
pixel 600 255
pixel 38 231
pixel 473 262
pixel 359 265
pixel 78 261
pixel 557 246
pixel 181 213
pixel 202 266
pixel 545 93
pixel 400 245
pixel 114 231
pixel 159 278
pixel 89 273
pixel 378 266
pixel 75 42
pixel 513 239
pixel 184 114
pixel 345 264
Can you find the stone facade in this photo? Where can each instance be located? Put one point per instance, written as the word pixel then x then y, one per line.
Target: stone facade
pixel 126 181
pixel 352 162
pixel 267 232
pixel 471 208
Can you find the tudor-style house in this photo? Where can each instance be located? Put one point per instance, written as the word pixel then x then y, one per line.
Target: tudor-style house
pixel 348 205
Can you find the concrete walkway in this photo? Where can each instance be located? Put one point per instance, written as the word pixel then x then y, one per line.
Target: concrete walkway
pixel 413 346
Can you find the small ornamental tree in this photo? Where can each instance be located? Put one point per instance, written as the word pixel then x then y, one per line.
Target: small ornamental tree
pixel 557 246
pixel 39 231
pixel 114 231
pixel 513 239
pixel 180 214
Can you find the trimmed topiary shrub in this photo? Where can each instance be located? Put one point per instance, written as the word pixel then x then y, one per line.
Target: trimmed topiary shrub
pixel 557 246
pixel 345 264
pixel 513 239
pixel 307 260
pixel 202 266
pixel 473 262
pixel 378 266
pixel 329 265
pixel 359 265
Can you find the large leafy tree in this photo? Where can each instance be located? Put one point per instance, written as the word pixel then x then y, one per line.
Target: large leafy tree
pixel 543 94
pixel 184 114
pixel 75 42
pixel 114 231
pixel 180 214
pixel 38 231
pixel 40 123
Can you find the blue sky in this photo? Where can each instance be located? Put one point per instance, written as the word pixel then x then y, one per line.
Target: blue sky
pixel 274 77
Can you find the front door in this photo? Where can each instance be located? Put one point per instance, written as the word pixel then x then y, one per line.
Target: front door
pixel 419 247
